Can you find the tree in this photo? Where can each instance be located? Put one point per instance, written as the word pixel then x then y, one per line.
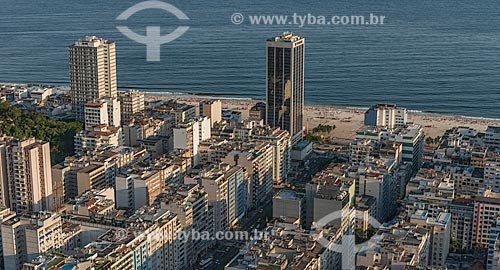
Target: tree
pixel 313 138
pixel 323 128
pixel 23 124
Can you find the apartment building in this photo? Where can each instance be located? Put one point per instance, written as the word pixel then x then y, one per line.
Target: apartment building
pixel 387 116
pixel 102 112
pixel 257 159
pixel 190 204
pixel 27 174
pixel 131 103
pixel 211 109
pixel 98 138
pixel 187 136
pixel 92 63
pixel 26 237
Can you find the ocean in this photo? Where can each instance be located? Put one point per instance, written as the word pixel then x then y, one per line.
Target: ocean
pixel 439 56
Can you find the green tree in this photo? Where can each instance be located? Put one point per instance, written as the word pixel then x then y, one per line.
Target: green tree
pixel 23 124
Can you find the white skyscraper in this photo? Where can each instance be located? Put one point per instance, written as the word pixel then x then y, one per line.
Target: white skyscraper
pixel 92 63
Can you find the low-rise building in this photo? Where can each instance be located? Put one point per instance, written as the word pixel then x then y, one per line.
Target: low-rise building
pixel 98 138
pixel 401 246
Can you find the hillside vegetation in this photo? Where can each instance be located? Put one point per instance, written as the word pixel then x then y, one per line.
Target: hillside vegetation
pixel 22 124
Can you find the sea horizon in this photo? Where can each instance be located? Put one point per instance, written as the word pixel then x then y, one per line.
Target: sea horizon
pixel 433 56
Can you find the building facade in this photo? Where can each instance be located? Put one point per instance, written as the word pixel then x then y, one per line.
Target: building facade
pixel 211 109
pixel 131 102
pixel 29 174
pixel 92 63
pixel 386 115
pixel 285 82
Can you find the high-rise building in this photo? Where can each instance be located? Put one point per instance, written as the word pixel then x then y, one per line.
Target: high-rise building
pixel 138 188
pixel 280 140
pixel 462 216
pixel 440 231
pixel 4 183
pixel 486 209
pixel 440 238
pixel 285 82
pixel 190 204
pixel 329 199
pixel 91 177
pixel 43 233
pixel 98 138
pixel 5 215
pixel 412 139
pixel 164 249
pixel 29 174
pixel 216 186
pixel 92 63
pixel 13 244
pixel 492 136
pixel 237 191
pixel 211 109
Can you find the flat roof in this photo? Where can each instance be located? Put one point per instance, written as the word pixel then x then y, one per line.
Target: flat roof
pixel 287 194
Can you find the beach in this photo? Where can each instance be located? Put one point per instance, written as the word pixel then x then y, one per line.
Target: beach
pixel 346 120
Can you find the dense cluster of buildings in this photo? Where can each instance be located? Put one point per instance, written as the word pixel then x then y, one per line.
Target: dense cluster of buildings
pixel 147 171
pixel 143 171
pixel 451 197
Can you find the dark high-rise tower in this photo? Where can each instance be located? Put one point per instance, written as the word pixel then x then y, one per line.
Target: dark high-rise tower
pixel 285 82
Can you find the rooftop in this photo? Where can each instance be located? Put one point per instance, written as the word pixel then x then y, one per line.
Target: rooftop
pixel 493 129
pixel 286 194
pixel 286 37
pixel 91 41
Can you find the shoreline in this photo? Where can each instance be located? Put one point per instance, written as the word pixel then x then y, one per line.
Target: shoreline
pixel 178 95
pixel 148 92
pixel 347 120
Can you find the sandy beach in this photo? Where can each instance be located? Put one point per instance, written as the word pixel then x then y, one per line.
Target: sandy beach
pixel 347 121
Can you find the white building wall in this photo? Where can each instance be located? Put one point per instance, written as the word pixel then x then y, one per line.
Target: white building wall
pixel 96 115
pixel 114 113
pixel 205 128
